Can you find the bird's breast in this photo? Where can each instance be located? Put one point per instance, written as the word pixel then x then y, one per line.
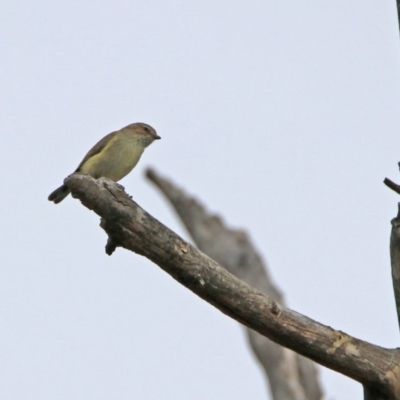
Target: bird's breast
pixel 115 161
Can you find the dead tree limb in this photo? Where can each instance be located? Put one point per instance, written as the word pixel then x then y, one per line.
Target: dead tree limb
pixel 398 9
pixel 131 227
pixel 395 246
pixel 290 376
pixel 395 260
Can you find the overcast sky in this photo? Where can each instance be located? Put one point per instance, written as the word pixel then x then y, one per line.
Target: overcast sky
pixel 283 116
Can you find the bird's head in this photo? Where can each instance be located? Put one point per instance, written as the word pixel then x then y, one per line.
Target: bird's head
pixel 144 133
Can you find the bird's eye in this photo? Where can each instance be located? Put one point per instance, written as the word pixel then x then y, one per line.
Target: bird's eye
pixel 146 129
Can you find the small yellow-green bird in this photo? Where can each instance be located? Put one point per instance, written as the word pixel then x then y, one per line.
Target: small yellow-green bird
pixel 114 156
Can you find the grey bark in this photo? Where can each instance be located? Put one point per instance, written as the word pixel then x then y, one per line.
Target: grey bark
pixel 290 376
pixel 395 260
pixel 395 249
pixel 131 227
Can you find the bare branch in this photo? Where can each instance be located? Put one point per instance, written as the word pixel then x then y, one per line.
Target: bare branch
pixel 395 246
pixel 131 227
pixel 398 10
pixel 290 376
pixel 395 259
pixel 390 184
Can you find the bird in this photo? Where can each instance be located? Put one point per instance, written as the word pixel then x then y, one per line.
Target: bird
pixel 113 157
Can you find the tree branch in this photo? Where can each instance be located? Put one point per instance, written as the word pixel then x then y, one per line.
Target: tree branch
pixel 390 184
pixel 395 259
pixel 395 246
pixel 398 10
pixel 133 228
pixel 290 376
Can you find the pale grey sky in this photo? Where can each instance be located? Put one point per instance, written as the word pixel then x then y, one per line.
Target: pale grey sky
pixel 283 116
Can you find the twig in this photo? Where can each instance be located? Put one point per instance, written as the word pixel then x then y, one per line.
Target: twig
pixel 390 184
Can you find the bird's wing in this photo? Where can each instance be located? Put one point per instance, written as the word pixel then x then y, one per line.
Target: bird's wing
pixel 97 148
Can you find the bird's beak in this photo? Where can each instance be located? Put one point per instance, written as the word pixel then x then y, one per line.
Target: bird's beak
pixel 157 137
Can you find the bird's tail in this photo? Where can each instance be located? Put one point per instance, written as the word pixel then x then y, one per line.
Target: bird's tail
pixel 59 194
